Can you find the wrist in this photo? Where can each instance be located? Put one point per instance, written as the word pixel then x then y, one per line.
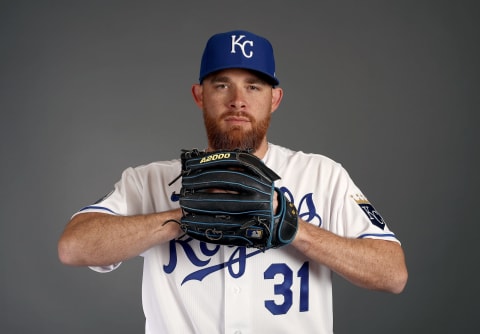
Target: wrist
pixel 167 225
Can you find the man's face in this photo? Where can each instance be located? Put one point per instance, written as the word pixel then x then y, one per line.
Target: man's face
pixel 237 107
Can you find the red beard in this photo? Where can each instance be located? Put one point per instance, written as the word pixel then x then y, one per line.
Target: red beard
pixel 236 137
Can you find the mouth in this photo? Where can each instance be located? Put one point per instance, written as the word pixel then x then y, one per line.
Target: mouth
pixel 237 119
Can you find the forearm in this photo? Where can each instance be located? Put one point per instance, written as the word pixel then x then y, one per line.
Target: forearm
pixel 95 239
pixel 368 263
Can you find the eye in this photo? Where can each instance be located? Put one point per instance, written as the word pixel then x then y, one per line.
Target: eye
pixel 253 87
pixel 221 86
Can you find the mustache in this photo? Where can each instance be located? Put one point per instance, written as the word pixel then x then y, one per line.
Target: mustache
pixel 236 114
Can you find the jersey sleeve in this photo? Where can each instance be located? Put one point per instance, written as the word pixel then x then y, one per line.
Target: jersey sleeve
pixel 123 200
pixel 355 216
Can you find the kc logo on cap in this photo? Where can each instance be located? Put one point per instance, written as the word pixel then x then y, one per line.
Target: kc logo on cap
pixel 238 49
pixel 236 42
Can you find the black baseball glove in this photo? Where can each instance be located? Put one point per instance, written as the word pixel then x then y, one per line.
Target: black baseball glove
pixel 227 198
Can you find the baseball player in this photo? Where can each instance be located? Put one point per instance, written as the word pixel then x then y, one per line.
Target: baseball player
pixel 236 245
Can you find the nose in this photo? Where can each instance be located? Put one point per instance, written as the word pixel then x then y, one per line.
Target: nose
pixel 237 99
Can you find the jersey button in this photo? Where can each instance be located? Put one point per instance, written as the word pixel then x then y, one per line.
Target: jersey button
pixel 238 332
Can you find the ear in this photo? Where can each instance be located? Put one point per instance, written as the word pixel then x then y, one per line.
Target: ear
pixel 197 90
pixel 277 95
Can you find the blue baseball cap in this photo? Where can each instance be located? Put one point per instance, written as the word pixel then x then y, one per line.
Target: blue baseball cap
pixel 238 49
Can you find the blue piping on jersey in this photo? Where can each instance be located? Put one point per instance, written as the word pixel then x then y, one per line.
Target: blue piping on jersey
pixel 377 235
pixel 97 208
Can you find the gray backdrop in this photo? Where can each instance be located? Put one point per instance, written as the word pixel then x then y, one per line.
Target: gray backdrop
pixel 388 88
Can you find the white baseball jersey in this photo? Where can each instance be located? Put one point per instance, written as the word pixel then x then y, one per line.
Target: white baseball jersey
pixel 194 287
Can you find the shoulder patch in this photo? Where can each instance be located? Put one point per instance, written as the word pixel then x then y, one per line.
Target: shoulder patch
pixel 372 214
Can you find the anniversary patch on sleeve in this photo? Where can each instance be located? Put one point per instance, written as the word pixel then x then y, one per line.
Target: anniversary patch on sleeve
pixel 372 214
